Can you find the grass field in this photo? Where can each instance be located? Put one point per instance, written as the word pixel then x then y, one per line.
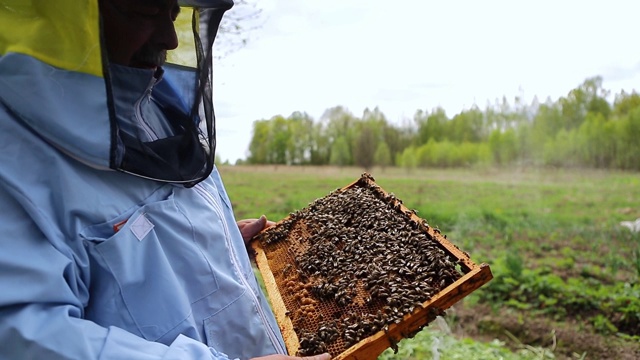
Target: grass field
pixel 566 274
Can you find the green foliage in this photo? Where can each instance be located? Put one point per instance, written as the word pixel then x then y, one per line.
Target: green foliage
pixel 636 261
pixel 596 141
pixel 562 150
pixel 580 129
pixel 434 344
pixel 259 146
pixel 340 154
pixel 382 156
pixel 625 103
pixel 408 159
pixel 431 126
pixel 626 131
pixel 504 146
pixel 589 97
pixel 448 154
pixel 514 265
pixel 468 126
pixel 603 325
pixel 364 150
pixel 282 140
pixel 545 292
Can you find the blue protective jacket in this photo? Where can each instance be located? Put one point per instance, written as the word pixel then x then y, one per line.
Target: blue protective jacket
pixel 100 264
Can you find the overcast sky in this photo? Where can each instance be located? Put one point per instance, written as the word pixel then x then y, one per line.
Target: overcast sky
pixel 311 55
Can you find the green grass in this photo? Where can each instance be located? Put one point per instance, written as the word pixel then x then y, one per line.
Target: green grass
pixel 552 238
pixel 438 344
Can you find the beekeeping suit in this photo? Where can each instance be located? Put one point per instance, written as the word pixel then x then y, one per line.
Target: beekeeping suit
pixel 117 238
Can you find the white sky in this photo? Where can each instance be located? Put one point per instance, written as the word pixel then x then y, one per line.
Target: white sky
pixel 311 55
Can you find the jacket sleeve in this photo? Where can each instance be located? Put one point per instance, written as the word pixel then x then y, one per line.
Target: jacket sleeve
pixel 43 292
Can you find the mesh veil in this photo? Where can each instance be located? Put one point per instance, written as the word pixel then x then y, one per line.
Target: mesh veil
pixel 170 135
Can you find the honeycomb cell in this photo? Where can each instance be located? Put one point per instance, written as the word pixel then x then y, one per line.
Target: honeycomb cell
pixel 356 271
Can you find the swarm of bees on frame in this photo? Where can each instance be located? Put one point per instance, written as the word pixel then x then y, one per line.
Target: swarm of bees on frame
pixel 351 264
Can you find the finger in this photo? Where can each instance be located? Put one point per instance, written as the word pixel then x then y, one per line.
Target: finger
pixel 260 224
pixel 324 356
pixel 254 227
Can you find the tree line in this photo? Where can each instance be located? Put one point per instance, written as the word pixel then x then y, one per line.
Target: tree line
pixel 581 129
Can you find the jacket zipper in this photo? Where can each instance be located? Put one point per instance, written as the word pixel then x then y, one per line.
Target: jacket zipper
pixel 138 111
pixel 270 332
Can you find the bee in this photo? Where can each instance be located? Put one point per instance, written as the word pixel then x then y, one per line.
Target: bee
pixel 358 249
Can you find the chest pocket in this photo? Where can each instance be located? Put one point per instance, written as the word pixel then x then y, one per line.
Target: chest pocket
pixel 147 276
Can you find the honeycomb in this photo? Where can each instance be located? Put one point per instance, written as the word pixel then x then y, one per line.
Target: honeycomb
pixel 356 271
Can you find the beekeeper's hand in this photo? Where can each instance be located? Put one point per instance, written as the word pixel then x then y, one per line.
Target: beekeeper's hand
pixel 285 357
pixel 250 227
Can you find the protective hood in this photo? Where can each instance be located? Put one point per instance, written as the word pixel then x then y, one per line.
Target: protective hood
pixel 55 78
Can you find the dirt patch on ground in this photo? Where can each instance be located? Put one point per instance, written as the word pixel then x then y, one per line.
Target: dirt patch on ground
pixel 569 340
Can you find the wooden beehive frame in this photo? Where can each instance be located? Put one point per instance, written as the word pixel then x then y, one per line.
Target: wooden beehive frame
pixel 371 347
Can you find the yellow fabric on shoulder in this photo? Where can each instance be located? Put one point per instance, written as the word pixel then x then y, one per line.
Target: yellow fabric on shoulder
pixel 61 33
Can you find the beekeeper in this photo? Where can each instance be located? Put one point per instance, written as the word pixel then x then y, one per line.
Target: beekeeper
pixel 117 238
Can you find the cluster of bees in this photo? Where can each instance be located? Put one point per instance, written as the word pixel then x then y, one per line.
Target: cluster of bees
pixel 352 263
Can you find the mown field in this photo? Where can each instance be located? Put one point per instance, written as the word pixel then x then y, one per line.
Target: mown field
pixel 566 274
